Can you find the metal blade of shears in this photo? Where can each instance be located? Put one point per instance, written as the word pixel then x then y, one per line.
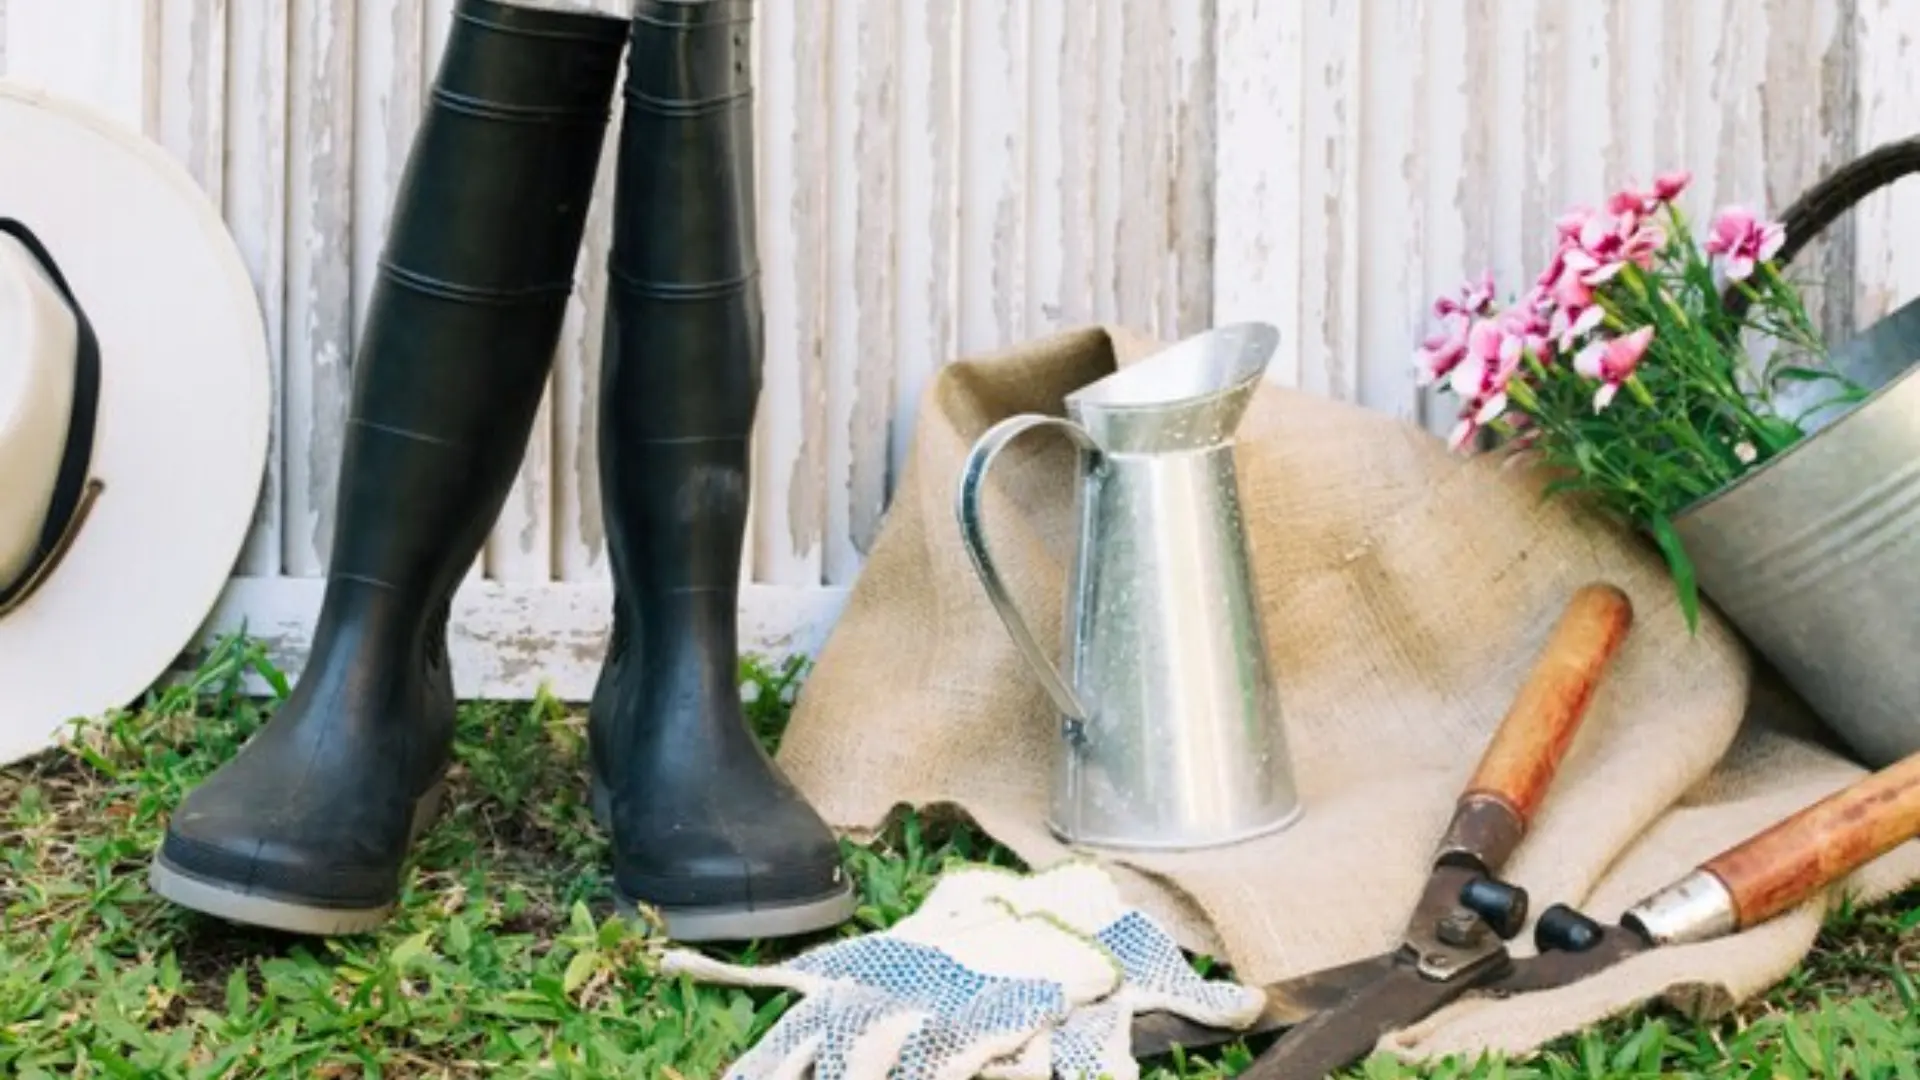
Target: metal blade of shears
pixel 1289 1002
pixel 1449 945
pixel 1338 1037
pixel 1293 1002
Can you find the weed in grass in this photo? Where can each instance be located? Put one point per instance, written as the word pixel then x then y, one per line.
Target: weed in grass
pixel 505 961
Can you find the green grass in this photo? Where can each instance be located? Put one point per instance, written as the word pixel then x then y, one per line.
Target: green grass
pixel 506 961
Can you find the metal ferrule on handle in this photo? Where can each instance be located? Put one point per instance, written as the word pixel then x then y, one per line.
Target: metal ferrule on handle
pixel 973 534
pixel 1698 907
pixel 1781 867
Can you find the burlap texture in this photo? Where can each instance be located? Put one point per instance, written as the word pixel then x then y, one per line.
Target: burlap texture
pixel 1405 591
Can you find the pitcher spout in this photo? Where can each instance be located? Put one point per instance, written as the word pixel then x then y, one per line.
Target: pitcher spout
pixel 1190 395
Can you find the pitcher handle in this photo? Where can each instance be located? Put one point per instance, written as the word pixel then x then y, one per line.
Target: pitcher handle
pixel 973 533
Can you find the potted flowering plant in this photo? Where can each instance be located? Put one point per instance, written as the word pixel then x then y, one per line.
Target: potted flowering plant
pixel 1624 370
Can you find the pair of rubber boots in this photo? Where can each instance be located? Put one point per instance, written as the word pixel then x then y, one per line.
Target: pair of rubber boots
pixel 308 827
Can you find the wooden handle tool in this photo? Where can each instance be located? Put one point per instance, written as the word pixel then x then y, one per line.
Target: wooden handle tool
pixel 1780 868
pixel 1500 801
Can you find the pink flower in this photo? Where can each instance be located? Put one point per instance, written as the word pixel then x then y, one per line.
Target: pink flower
pixel 1612 361
pixel 1480 379
pixel 1643 243
pixel 1743 240
pixel 1475 298
pixel 1574 312
pixel 1668 186
pixel 1485 367
pixel 1440 353
pixel 1606 243
pixel 1462 433
pixel 1569 224
pixel 1525 330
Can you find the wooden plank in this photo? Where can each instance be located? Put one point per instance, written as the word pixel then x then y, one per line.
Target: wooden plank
pixel 1330 209
pixel 1477 187
pixel 1259 162
pixel 839 359
pixel 1540 197
pixel 1591 129
pixel 1108 122
pixel 1646 73
pixel 1886 266
pixel 993 137
pixel 1062 235
pixel 1726 137
pixel 193 89
pixel 1587 148
pixel 865 253
pixel 1807 113
pixel 790 473
pixel 319 312
pixel 105 56
pixel 1392 303
pixel 1700 103
pixel 1136 90
pixel 1048 214
pixel 255 188
pixel 509 640
pixel 1513 254
pixel 926 166
pixel 1448 97
pixel 1187 118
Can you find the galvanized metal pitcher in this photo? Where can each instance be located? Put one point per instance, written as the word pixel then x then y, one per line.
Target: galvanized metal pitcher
pixel 1170 722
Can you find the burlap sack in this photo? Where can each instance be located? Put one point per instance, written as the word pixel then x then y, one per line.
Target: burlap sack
pixel 1405 592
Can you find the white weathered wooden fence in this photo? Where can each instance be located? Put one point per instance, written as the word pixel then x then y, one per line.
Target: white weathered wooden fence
pixel 939 178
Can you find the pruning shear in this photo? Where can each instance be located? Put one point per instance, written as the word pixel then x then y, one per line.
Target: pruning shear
pixel 1454 942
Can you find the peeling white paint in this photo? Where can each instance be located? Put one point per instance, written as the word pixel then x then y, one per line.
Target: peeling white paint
pixel 936 180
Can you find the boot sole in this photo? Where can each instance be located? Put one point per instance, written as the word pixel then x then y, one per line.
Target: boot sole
pixel 291 914
pixel 732 922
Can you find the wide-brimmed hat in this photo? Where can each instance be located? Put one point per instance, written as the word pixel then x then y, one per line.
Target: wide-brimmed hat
pixel 134 410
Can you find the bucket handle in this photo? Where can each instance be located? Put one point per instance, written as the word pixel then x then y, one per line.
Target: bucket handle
pixel 973 534
pixel 1832 196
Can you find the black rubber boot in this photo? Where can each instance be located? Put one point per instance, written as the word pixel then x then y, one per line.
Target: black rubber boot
pixel 308 828
pixel 706 830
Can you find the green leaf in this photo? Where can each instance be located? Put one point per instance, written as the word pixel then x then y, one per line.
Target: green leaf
pixel 579 970
pixel 1795 373
pixel 239 996
pixel 410 951
pixel 580 921
pixel 459 939
pixel 1681 567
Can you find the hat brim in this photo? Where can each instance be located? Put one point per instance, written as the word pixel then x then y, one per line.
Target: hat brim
pixel 185 408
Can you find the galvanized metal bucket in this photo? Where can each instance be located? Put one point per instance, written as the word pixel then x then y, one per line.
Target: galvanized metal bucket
pixel 1815 556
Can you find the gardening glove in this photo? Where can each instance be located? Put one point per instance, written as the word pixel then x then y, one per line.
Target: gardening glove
pixel 1096 1039
pixel 952 988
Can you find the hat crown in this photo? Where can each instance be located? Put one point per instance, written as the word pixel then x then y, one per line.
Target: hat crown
pixel 38 348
